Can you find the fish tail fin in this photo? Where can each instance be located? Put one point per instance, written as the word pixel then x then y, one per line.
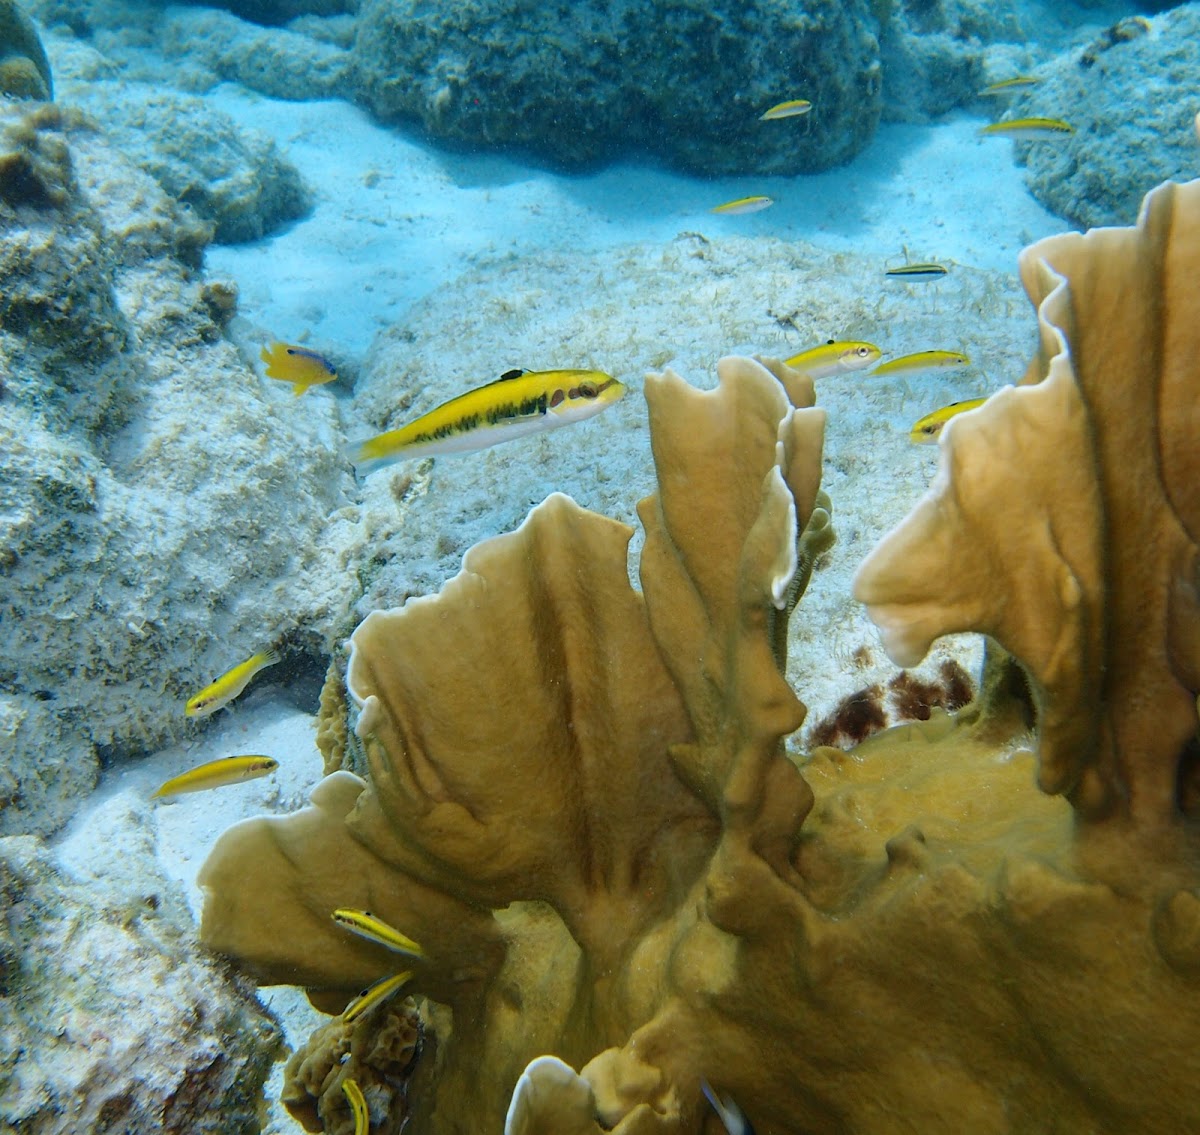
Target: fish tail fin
pixel 369 454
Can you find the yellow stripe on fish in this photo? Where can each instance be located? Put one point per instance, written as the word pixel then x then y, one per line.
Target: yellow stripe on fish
pixel 789 109
pixel 919 272
pixel 742 205
pixel 515 405
pixel 375 994
pixel 366 925
pixel 929 428
pixel 298 365
pixel 923 360
pixel 835 357
pixel 1010 86
pixel 1028 129
pixel 229 685
pixel 358 1106
pixel 217 774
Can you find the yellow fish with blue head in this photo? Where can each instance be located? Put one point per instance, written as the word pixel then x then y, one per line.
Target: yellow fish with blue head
pixel 298 365
pixel 517 404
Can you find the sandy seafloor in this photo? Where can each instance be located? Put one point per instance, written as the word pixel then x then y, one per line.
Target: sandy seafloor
pixel 396 226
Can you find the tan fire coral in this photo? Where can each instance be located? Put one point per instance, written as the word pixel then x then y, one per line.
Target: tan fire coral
pixel 578 799
pixel 1065 519
pixel 521 818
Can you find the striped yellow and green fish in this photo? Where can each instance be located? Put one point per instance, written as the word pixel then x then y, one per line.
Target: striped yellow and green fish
pixel 922 361
pixel 358 1106
pixel 835 357
pixel 374 929
pixel 517 404
pixel 929 428
pixel 1028 129
pixel 227 687
pixel 375 994
pixel 217 774
pixel 918 273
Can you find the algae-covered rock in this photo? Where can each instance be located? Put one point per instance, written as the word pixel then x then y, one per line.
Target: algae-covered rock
pixel 1120 89
pixel 583 83
pixel 132 433
pixel 111 1018
pixel 24 68
pixel 230 176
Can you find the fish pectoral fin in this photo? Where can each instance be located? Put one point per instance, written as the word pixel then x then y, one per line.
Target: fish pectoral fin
pixel 299 388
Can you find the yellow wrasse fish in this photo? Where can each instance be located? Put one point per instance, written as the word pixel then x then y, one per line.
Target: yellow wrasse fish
pixel 366 925
pixel 730 1115
pixel 929 428
pixel 298 365
pixel 216 774
pixel 517 403
pixel 835 357
pixel 375 994
pixel 358 1106
pixel 917 272
pixel 229 685
pixel 1010 86
pixel 789 109
pixel 743 205
pixel 923 360
pixel 1028 129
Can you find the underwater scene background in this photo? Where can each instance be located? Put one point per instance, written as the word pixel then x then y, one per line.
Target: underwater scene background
pixel 486 642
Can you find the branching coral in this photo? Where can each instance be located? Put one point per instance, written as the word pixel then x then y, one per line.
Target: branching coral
pixel 578 799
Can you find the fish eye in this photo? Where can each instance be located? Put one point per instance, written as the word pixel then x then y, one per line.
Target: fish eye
pixel 588 389
pixel 862 352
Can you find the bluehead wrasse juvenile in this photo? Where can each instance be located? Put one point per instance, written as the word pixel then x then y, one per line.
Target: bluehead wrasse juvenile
pixel 929 428
pixel 834 357
pixel 516 404
pixel 743 205
pixel 917 272
pixel 375 994
pixel 358 1106
pixel 1028 129
pixel 1010 86
pixel 789 109
pixel 728 1112
pixel 923 360
pixel 366 925
pixel 298 365
pixel 229 685
pixel 216 774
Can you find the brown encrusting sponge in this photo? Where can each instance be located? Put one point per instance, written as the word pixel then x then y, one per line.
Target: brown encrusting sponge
pixel 579 804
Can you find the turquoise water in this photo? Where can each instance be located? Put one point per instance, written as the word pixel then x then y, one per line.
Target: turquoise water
pixel 419 199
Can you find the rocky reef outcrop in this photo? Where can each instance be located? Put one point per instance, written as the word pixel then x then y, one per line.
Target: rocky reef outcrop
pixel 133 431
pixel 582 84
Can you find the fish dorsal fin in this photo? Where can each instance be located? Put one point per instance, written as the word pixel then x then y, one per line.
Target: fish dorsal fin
pixel 516 372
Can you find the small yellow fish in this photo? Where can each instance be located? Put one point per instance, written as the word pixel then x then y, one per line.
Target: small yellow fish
pixel 929 428
pixel 835 357
pixel 743 205
pixel 923 360
pixel 298 365
pixel 1028 129
pixel 216 774
pixel 375 994
pixel 516 404
pixel 229 685
pixel 789 109
pixel 366 925
pixel 917 272
pixel 358 1106
pixel 1010 86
